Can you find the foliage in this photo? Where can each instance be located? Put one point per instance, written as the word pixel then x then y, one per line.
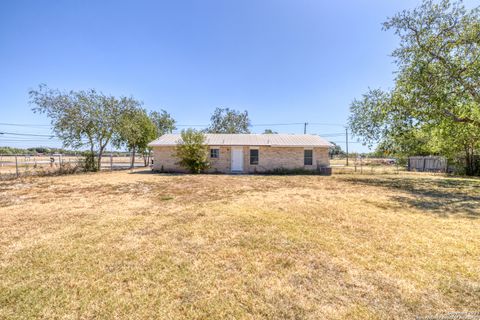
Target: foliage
pixel 192 151
pixel 135 131
pixel 34 150
pixel 269 131
pixel 225 120
pixel 434 107
pixel 335 150
pixel 82 118
pixel 88 163
pixel 163 121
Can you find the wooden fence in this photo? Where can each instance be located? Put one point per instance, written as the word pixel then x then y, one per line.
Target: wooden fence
pixel 427 164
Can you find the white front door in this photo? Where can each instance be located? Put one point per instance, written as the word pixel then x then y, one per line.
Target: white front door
pixel 237 159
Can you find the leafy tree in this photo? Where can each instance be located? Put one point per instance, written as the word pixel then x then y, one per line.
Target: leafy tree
pixel 163 122
pixel 269 131
pixel 192 151
pixel 335 150
pixel 435 104
pixel 225 120
pixel 135 131
pixel 82 118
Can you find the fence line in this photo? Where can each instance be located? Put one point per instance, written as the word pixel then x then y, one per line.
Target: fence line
pixel 17 165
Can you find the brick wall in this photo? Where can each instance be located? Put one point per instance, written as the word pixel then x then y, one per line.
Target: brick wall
pixel 269 158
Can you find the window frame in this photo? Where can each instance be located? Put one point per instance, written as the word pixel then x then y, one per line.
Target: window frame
pixel 217 153
pixel 309 163
pixel 254 163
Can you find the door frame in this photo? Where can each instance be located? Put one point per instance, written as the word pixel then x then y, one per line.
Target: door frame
pixel 232 156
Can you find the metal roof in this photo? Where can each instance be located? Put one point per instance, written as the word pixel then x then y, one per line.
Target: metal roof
pixel 273 140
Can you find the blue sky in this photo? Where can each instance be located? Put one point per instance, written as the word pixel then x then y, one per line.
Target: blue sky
pixel 283 61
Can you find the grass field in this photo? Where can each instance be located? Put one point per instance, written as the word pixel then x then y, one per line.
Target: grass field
pixel 140 245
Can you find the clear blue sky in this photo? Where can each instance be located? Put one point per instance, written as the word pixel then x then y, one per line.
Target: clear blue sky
pixel 283 61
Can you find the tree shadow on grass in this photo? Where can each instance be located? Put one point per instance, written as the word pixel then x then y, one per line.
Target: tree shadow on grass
pixel 445 197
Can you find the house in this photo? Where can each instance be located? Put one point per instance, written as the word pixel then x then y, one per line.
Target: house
pixel 248 153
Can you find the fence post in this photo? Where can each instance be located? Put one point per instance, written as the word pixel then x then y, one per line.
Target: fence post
pixel 111 162
pixel 16 165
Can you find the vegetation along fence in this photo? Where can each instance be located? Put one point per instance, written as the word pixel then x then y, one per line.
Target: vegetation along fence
pixel 12 166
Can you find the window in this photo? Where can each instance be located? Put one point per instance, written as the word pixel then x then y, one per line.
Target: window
pixel 307 157
pixel 214 153
pixel 253 156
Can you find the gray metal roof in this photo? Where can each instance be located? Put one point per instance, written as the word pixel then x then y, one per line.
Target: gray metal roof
pixel 273 140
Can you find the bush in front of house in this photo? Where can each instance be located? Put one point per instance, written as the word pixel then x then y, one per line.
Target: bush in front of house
pixel 192 151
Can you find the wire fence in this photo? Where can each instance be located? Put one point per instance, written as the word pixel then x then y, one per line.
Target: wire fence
pixel 366 165
pixel 20 165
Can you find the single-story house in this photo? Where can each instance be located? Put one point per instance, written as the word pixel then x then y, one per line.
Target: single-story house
pixel 248 153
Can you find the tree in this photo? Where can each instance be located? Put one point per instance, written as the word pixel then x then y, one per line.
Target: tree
pixel 335 150
pixel 163 122
pixel 435 104
pixel 82 118
pixel 192 151
pixel 135 131
pixel 225 120
pixel 269 131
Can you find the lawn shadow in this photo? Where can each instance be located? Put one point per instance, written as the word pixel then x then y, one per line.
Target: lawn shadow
pixel 445 197
pixel 153 172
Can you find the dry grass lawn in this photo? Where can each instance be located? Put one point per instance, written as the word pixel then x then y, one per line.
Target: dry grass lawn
pixel 141 245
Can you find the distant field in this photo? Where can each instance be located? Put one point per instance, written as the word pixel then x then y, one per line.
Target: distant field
pixel 151 246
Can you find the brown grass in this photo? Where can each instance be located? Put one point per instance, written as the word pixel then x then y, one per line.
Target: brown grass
pixel 140 245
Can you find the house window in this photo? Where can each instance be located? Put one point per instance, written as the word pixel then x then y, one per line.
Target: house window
pixel 214 153
pixel 307 157
pixel 253 156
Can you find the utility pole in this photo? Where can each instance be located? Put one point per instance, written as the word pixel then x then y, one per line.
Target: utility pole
pixel 346 141
pixel 305 128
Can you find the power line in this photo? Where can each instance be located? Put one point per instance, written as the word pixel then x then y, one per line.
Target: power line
pixel 276 124
pixel 24 124
pixel 344 141
pixel 325 124
pixel 26 134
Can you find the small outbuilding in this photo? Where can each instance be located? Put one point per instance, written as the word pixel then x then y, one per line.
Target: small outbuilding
pixel 248 153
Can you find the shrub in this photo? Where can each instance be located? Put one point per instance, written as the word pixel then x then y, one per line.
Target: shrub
pixel 88 163
pixel 192 151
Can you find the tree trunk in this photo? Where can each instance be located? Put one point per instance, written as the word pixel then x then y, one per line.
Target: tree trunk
pixel 469 159
pixel 91 162
pixel 99 160
pixel 133 158
pixel 149 157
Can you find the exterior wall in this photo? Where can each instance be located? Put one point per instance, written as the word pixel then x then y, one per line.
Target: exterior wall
pixel 270 158
pixel 164 160
pixel 223 162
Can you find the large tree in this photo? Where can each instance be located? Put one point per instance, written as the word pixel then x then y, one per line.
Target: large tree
pixel 135 131
pixel 225 120
pixel 435 102
pixel 163 122
pixel 82 118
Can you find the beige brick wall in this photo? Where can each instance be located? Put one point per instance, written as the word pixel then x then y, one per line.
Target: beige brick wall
pixel 269 158
pixel 164 159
